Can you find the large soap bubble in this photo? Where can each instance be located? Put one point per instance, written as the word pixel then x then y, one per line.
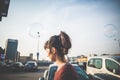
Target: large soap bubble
pixel 110 31
pixel 35 29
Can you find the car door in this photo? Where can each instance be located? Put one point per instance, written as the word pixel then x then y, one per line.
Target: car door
pixel 95 67
pixel 112 69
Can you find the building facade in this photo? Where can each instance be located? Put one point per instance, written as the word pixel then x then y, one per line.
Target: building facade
pixel 11 50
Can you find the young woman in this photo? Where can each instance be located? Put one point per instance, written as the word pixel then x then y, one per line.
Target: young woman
pixel 57 47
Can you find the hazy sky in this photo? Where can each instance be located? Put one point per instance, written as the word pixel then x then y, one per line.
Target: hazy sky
pixel 92 25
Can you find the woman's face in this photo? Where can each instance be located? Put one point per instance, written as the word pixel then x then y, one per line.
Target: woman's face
pixel 50 55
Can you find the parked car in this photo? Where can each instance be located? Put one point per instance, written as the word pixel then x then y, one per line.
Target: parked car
pixel 82 65
pixel 16 66
pixel 31 66
pixel 104 68
pixel 3 66
pixel 49 73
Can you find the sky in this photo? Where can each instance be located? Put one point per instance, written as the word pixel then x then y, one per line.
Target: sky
pixel 93 25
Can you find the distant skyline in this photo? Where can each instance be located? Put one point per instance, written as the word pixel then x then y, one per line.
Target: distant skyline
pixel 93 25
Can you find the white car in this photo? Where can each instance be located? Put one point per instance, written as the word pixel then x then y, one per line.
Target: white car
pixel 49 73
pixel 104 67
pixel 31 65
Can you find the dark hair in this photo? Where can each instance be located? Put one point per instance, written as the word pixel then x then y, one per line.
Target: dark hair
pixel 61 42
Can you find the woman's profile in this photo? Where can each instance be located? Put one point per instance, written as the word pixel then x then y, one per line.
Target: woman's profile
pixel 57 47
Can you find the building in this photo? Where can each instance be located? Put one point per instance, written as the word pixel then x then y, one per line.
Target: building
pixel 24 59
pixel 11 50
pixel 81 58
pixel 4 5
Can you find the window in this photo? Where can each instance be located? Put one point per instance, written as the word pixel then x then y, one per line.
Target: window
pixel 95 62
pixel 52 73
pixel 112 66
pixel 98 63
pixel 91 63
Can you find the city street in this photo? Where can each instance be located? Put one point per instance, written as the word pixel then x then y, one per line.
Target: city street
pixel 23 75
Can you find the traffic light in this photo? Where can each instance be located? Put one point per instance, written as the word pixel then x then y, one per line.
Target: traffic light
pixel 4 5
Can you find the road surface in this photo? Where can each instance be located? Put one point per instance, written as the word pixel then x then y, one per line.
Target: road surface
pixel 23 75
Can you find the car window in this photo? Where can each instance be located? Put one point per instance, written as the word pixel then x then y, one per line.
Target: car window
pixel 98 63
pixel 31 64
pixel 82 75
pixel 91 63
pixel 112 66
pixel 52 72
pixel 95 63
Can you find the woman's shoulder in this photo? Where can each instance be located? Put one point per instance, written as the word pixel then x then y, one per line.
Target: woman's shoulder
pixel 68 66
pixel 69 72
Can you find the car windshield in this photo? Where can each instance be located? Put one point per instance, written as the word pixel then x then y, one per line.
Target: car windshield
pixel 52 72
pixel 32 64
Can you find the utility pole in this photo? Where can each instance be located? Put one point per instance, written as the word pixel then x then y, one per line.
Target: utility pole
pixel 118 41
pixel 38 46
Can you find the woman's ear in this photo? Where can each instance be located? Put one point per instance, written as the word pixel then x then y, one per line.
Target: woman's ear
pixel 53 50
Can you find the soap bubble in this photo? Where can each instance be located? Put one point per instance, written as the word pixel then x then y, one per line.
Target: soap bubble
pixel 110 31
pixel 35 30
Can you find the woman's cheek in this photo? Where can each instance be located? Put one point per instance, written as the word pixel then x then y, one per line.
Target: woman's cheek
pixel 53 58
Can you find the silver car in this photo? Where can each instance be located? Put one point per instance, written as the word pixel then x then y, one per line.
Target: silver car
pixel 31 66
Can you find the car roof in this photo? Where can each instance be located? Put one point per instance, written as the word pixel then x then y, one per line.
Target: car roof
pixel 18 62
pixel 117 58
pixel 54 64
pixel 31 61
pixel 51 65
pixel 105 57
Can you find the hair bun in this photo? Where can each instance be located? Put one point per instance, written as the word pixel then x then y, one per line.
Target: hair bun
pixel 65 41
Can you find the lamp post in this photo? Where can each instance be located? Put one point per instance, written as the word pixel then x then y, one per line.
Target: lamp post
pixel 118 41
pixel 38 46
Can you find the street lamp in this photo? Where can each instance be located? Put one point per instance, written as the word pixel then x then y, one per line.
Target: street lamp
pixel 38 46
pixel 34 31
pixel 118 41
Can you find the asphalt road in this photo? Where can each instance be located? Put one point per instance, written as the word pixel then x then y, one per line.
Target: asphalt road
pixel 23 75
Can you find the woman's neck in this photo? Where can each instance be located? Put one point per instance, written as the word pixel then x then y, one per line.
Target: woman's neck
pixel 60 64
